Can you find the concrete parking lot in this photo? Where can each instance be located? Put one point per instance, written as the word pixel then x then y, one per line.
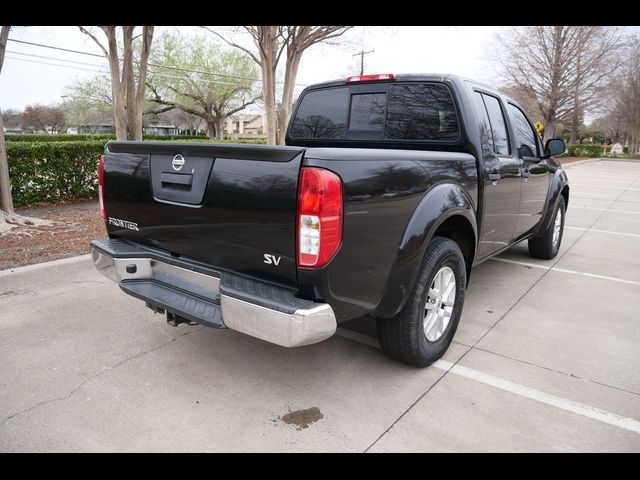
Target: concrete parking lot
pixel 546 358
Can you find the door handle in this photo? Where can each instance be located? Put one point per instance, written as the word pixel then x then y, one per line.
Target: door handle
pixel 494 177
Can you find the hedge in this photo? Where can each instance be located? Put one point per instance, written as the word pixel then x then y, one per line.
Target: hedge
pixel 584 150
pixel 55 171
pixel 32 137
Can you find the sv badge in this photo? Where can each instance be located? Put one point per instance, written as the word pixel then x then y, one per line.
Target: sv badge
pixel 271 259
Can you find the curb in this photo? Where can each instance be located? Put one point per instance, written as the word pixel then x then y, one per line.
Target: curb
pixel 41 266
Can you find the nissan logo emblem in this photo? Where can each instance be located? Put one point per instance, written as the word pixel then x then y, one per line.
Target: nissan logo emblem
pixel 177 162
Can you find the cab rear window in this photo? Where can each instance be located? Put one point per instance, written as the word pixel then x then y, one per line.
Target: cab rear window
pixel 397 111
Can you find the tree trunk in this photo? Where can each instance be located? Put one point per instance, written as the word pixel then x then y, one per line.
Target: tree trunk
pixel 6 202
pixel 137 94
pixel 117 87
pixel 219 126
pixel 128 79
pixel 293 62
pixel 549 129
pixel 575 120
pixel 268 47
pixel 211 129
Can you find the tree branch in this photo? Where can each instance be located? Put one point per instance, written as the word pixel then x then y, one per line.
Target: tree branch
pixel 95 39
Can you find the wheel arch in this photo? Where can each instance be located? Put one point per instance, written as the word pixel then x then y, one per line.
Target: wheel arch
pixel 446 210
pixel 559 189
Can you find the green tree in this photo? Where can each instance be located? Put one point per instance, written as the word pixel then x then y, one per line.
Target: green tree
pixel 88 103
pixel 199 77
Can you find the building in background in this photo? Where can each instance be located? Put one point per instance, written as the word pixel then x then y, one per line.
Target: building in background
pixel 245 125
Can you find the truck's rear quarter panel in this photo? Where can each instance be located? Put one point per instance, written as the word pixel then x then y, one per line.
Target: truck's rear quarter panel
pixel 382 190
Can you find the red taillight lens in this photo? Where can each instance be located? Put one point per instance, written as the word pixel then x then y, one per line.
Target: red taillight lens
pixel 380 77
pixel 103 212
pixel 319 217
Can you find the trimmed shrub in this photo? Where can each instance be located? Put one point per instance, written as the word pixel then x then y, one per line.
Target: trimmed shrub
pixel 584 150
pixel 61 170
pixel 38 137
pixel 53 171
pixel 29 137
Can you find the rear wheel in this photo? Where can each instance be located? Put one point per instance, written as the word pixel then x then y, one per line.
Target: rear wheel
pixel 421 333
pixel 546 246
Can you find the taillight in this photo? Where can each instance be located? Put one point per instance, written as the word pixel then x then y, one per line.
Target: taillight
pixel 103 213
pixel 380 77
pixel 319 217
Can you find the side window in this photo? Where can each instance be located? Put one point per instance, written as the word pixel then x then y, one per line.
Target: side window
pixel 483 122
pixel 498 125
pixel 524 133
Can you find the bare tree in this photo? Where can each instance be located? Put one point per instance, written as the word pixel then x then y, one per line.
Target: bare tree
pixel 271 42
pixel 628 97
pixel 12 118
pixel 128 83
pixel 47 118
pixel 8 216
pixel 562 68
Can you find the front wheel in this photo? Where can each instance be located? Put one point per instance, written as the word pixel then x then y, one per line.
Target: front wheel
pixel 421 333
pixel 547 244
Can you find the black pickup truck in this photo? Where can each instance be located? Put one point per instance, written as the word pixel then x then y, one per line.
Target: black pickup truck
pixel 390 189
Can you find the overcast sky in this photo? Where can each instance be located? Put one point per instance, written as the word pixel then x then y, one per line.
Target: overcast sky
pixel 459 50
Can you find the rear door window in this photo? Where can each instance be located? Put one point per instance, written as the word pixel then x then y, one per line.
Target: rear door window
pixel 498 125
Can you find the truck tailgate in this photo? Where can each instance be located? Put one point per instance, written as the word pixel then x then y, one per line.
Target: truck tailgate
pixel 231 206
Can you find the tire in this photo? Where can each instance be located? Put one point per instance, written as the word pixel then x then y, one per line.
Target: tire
pixel 403 337
pixel 544 246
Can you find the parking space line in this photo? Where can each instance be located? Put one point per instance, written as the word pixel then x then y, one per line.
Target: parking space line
pixel 564 270
pixel 600 197
pixel 608 209
pixel 542 397
pixel 600 187
pixel 602 231
pixel 515 388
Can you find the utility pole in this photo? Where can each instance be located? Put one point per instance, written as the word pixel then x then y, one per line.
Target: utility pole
pixel 362 53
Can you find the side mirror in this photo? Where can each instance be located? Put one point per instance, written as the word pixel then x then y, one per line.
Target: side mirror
pixel 554 146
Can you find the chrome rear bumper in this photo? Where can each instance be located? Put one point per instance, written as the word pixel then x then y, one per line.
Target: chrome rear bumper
pixel 201 297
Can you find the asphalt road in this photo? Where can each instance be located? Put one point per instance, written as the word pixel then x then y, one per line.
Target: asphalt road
pixel 546 358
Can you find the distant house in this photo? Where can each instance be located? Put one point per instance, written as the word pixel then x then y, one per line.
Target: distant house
pixel 245 125
pixel 108 128
pixel 95 129
pixel 160 130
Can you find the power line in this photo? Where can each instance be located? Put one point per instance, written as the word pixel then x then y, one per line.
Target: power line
pixel 199 72
pixel 53 58
pixel 55 48
pixel 106 72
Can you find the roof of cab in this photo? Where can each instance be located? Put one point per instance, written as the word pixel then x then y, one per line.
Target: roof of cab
pixel 416 77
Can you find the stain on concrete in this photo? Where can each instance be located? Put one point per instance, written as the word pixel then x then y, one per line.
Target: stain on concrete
pixel 301 419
